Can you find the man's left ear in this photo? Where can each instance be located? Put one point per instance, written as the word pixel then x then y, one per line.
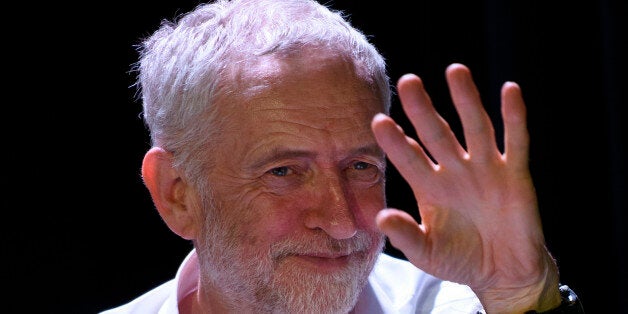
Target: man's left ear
pixel 168 191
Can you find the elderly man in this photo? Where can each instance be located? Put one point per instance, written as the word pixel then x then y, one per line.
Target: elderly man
pixel 270 135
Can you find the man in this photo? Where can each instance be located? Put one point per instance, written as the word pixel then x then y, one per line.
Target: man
pixel 269 131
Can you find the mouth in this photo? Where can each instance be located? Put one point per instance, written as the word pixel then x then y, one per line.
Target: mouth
pixel 325 263
pixel 323 256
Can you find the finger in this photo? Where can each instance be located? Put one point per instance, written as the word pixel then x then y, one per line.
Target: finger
pixel 433 131
pixel 478 130
pixel 516 136
pixel 403 232
pixel 405 153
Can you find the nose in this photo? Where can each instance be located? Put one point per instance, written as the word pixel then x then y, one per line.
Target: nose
pixel 331 210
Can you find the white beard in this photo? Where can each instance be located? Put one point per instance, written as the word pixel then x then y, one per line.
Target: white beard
pixel 269 283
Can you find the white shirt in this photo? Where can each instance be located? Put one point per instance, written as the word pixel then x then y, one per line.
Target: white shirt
pixel 394 286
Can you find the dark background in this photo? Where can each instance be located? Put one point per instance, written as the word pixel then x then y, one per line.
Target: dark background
pixel 80 233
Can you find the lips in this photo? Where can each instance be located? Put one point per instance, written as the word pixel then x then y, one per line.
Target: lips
pixel 320 262
pixel 322 254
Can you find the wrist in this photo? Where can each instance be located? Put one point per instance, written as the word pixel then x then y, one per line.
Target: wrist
pixel 540 296
pixel 521 300
pixel 570 303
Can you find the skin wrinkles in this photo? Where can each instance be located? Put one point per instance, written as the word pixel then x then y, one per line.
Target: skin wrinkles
pixel 282 114
pixel 323 199
pixel 282 195
pixel 282 123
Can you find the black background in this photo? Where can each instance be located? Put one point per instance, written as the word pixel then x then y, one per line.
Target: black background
pixel 80 233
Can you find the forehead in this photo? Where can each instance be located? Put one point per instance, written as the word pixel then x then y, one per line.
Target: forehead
pixel 302 101
pixel 316 80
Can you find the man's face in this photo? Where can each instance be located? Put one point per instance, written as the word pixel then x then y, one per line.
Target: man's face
pixel 297 183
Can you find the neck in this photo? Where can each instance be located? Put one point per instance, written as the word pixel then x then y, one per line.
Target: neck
pixel 197 303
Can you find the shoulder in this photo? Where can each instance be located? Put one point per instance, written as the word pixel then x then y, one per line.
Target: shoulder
pixel 397 282
pixel 398 285
pixel 152 301
pixel 164 298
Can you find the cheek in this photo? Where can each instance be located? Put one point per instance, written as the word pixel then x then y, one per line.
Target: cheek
pixel 285 214
pixel 280 214
pixel 262 220
pixel 367 203
pixel 258 219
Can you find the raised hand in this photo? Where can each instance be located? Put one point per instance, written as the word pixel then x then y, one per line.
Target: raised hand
pixel 480 224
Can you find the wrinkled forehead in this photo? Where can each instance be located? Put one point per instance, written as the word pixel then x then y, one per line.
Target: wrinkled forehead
pixel 320 91
pixel 273 71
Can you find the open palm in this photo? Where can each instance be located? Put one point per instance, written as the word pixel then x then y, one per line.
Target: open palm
pixel 480 224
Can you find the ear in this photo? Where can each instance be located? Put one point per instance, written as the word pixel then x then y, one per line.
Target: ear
pixel 168 191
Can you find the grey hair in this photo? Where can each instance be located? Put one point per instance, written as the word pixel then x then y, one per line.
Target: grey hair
pixel 187 65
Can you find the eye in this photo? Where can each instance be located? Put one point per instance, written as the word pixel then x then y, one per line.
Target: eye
pixel 283 179
pixel 361 171
pixel 361 165
pixel 280 171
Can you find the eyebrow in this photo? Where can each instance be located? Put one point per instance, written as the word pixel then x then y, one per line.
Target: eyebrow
pixel 288 153
pixel 281 154
pixel 373 150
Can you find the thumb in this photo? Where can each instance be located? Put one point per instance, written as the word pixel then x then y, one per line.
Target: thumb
pixel 403 231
